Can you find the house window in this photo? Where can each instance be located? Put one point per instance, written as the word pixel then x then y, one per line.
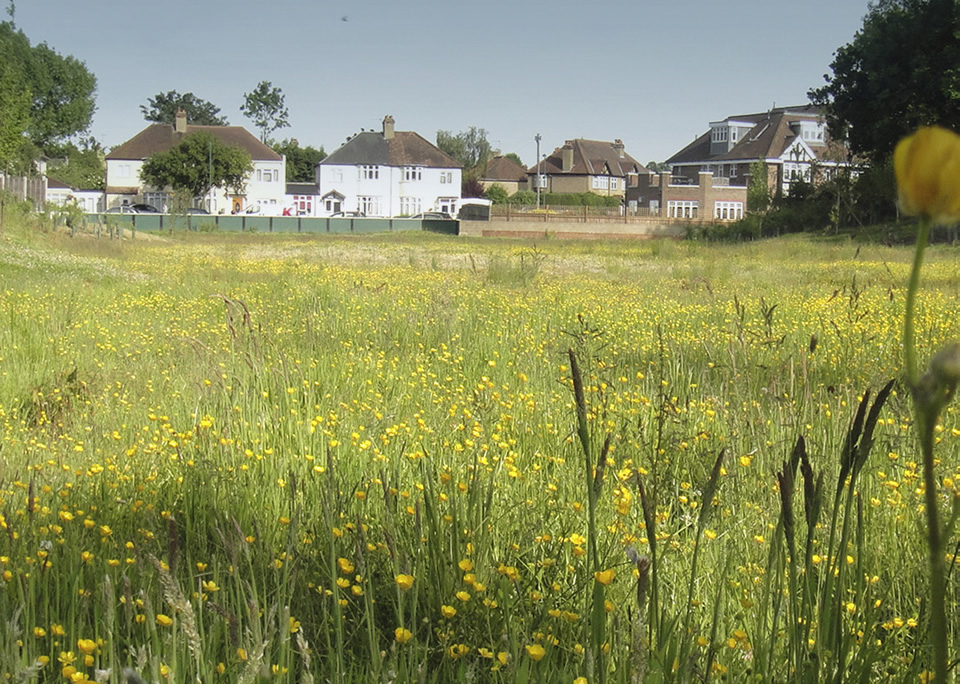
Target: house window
pixel 542 180
pixel 409 206
pixel 733 135
pixel 369 206
pixel 601 182
pixel 336 175
pixel 332 204
pixel 447 204
pixel 682 209
pixel 728 211
pixel 123 170
pixel 412 173
pixel 303 204
pixel 446 176
pixel 613 184
pixel 157 199
pixel 369 172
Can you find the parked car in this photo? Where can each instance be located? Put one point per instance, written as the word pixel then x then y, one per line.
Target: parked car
pixel 348 214
pixel 122 209
pixel 197 210
pixel 144 209
pixel 432 215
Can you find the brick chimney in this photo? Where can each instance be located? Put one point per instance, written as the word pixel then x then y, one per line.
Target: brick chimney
pixel 180 123
pixel 618 147
pixel 388 131
pixel 567 153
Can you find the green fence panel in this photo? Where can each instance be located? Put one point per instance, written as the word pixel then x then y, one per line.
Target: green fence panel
pixel 286 224
pixel 153 222
pixel 340 225
pixel 371 225
pixel 445 226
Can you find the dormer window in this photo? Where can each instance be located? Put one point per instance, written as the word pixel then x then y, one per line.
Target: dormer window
pixel 719 134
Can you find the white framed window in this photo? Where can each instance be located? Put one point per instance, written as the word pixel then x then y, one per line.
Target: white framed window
pixel 446 176
pixel 369 172
pixel 124 171
pixel 614 183
pixel 447 204
pixel 601 182
pixel 410 206
pixel 728 211
pixel 733 135
pixel 369 206
pixel 336 175
pixel 542 180
pixel 156 199
pixel 683 209
pixel 412 173
pixel 303 204
pixel 332 204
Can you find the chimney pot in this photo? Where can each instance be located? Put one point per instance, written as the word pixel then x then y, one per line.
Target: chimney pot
pixel 388 131
pixel 180 122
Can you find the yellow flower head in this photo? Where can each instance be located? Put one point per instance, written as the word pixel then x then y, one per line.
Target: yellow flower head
pixel 405 582
pixel 164 620
pixel 536 652
pixel 927 166
pixel 402 635
pixel 604 576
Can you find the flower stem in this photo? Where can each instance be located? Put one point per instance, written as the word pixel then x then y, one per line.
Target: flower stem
pixel 925 414
pixel 909 348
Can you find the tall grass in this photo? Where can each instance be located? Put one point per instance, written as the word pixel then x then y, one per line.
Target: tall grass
pixel 232 460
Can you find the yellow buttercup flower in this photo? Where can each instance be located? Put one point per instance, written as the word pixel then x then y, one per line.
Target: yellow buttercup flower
pixel 927 166
pixel 404 581
pixel 402 635
pixel 604 576
pixel 536 652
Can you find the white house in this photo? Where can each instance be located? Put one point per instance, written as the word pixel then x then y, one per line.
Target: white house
pixel 264 190
pixel 391 173
pixel 59 194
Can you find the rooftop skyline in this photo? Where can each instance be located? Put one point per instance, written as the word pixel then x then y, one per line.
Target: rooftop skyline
pixel 651 74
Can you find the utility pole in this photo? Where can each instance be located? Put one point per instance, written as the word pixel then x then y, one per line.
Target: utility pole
pixel 537 138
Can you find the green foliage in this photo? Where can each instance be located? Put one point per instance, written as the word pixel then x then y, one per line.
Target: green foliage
pixel 61 88
pixel 758 192
pixel 14 112
pixel 578 199
pixel 523 197
pixel 200 162
pixel 301 161
pixel 265 107
pixel 497 194
pixel 900 71
pixel 514 157
pixel 82 168
pixel 471 147
pixel 162 108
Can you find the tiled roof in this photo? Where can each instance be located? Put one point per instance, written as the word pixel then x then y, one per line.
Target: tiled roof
pixel 503 169
pixel 161 137
pixel 590 158
pixel 298 188
pixel 406 148
pixel 769 138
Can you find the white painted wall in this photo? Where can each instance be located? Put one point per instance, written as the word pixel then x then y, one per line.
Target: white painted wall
pixel 391 185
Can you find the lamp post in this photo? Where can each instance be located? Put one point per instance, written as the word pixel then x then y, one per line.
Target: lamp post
pixel 537 138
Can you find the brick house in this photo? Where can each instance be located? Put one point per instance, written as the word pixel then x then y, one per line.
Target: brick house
pixel 791 141
pixel 582 165
pixel 675 197
pixel 506 173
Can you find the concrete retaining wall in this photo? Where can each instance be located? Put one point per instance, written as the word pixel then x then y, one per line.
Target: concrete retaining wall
pixel 633 229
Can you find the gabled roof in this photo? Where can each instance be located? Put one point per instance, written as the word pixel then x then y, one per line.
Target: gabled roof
pixel 161 137
pixel 405 148
pixel 590 158
pixel 772 134
pixel 504 169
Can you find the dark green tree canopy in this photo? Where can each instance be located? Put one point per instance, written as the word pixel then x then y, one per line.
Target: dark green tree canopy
pixel 200 162
pixel 162 108
pixel 301 161
pixel 514 157
pixel 471 147
pixel 61 88
pixel 265 107
pixel 900 71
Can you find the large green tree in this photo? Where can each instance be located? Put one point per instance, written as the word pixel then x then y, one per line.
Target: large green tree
pixel 61 89
pixel 471 147
pixel 162 108
pixel 900 71
pixel 301 161
pixel 14 113
pixel 80 166
pixel 200 162
pixel 265 107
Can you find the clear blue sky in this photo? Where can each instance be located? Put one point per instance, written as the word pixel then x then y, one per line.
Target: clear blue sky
pixel 653 73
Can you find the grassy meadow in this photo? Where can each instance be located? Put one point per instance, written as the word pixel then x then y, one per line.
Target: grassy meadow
pixel 417 458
